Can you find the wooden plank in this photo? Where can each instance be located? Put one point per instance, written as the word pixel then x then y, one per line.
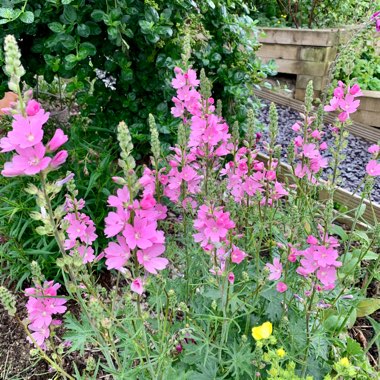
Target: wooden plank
pixel 289 36
pixel 303 80
pixel 367 117
pixel 358 129
pixel 279 51
pixel 299 93
pixel 290 66
pixel 370 101
pixel 317 54
pixel 342 196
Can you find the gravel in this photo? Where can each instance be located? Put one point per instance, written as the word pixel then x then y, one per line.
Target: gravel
pixel 357 156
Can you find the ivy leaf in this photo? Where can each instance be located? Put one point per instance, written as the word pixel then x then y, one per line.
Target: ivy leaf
pixel 368 306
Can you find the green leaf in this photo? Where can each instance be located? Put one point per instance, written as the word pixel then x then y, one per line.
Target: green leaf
pixel 83 30
pixel 71 58
pixel 27 17
pixel 65 2
pixel 98 15
pixel 86 49
pixel 7 13
pixel 368 306
pixel 56 27
pixel 353 347
pixel 69 14
pixel 338 230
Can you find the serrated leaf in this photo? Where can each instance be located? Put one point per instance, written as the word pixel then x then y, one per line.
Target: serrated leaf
pixel 27 17
pixel 367 306
pixel 353 347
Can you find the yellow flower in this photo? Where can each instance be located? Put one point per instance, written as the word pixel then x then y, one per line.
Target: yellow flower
pixel 262 332
pixel 344 362
pixel 280 352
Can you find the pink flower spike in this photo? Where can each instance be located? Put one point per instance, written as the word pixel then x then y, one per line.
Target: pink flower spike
pixel 281 287
pixel 231 278
pixel 57 141
pixel 373 168
pixel 137 286
pixel 32 107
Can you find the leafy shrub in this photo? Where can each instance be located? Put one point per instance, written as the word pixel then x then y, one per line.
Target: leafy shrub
pixel 135 44
pixel 312 13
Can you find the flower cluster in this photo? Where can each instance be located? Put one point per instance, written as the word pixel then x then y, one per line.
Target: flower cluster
pixel 80 230
pixel 182 177
pixel 42 304
pixel 26 139
pixel 213 225
pixel 247 177
pixel 319 258
pixel 209 135
pixel 134 223
pixel 344 100
pixel 308 147
pixel 373 166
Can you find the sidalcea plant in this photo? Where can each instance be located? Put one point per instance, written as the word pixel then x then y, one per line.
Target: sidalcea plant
pixel 206 245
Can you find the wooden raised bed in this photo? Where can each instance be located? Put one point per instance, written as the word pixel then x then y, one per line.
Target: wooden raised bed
pixel 306 53
pixel 369 109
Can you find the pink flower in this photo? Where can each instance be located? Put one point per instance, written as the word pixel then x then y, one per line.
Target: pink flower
pixel 59 159
pixel 32 107
pixel 237 255
pixel 281 287
pixel 39 335
pixel 141 234
pixel 296 127
pixel 348 105
pixel 275 269
pixel 327 275
pixel 87 253
pixel 27 131
pixel 374 149
pixel 121 200
pixel 115 221
pixel 231 278
pixel 149 259
pixel 373 168
pixel 117 254
pixel 57 140
pixel 137 286
pixel 30 161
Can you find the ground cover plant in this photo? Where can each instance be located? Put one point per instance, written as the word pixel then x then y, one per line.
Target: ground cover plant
pixel 221 266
